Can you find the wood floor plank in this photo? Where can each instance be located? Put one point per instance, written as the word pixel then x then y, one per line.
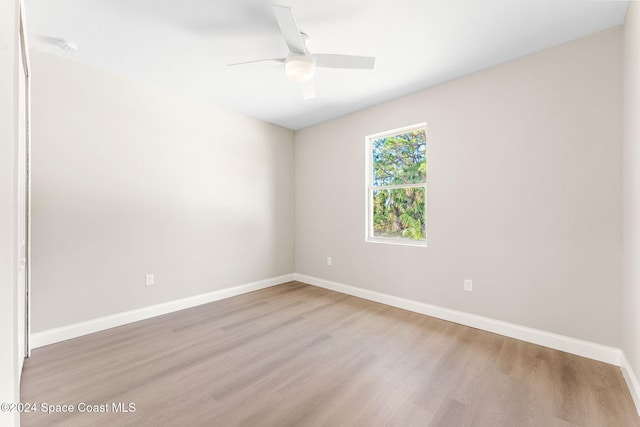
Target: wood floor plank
pixel 299 355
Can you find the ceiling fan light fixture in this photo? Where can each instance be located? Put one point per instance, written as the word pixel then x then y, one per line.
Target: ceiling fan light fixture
pixel 299 68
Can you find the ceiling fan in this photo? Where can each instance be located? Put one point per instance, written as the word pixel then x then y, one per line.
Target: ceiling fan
pixel 300 64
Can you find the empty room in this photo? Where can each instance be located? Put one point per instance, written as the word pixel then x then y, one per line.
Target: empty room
pixel 338 213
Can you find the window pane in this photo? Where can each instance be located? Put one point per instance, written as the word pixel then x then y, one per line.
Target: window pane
pixel 399 213
pixel 400 159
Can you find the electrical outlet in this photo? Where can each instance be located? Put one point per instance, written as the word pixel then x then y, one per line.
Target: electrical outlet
pixel 468 285
pixel 149 279
pixel 329 261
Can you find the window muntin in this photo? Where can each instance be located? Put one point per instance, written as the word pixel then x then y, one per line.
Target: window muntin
pixel 397 186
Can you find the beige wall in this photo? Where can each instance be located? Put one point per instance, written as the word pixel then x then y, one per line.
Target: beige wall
pixel 131 179
pixel 524 194
pixel 631 187
pixel 8 210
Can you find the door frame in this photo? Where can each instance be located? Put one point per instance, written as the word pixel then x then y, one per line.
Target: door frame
pixel 26 70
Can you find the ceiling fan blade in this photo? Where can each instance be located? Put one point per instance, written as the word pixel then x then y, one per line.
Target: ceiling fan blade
pixel 281 60
pixel 289 29
pixel 308 89
pixel 328 60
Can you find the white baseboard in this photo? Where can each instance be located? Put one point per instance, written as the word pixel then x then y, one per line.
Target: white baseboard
pixel 575 346
pixel 50 336
pixel 632 381
pixel 559 342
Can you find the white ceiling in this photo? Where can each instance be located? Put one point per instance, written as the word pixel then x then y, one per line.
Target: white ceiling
pixel 184 45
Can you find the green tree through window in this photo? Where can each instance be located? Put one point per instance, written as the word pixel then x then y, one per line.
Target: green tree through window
pixel 397 189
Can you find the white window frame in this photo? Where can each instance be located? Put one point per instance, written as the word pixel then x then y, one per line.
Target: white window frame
pixel 369 188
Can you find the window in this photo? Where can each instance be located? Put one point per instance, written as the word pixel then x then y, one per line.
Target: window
pixel 397 186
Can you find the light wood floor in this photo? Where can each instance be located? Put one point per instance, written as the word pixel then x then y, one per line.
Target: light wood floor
pixel 297 355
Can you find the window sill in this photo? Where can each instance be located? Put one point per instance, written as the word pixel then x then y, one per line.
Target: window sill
pixel 415 243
